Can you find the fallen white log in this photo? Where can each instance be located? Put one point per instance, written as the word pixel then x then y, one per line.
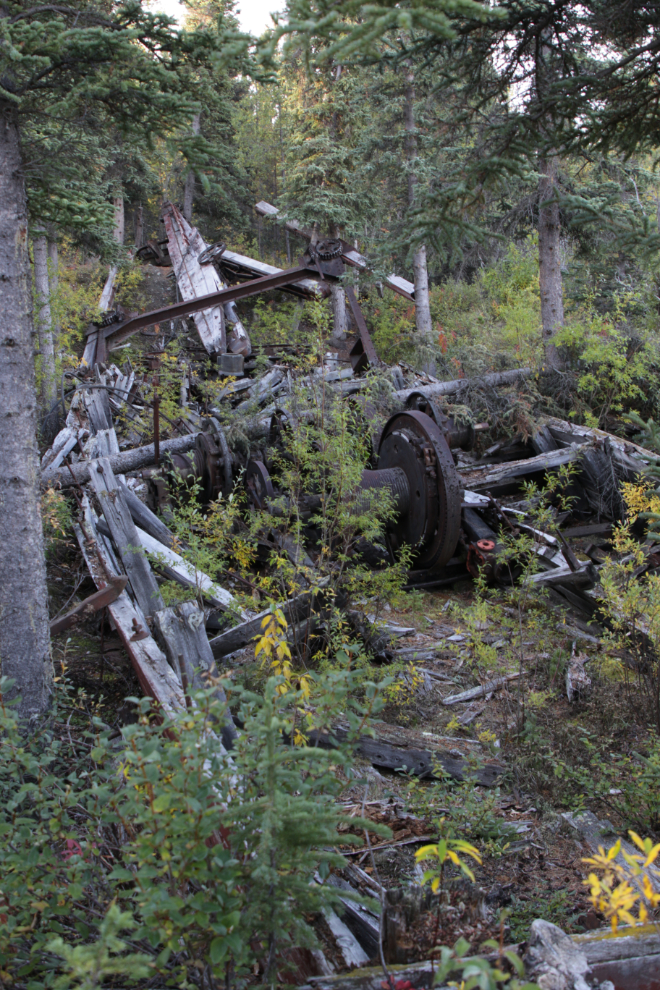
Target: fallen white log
pixel 479 692
pixel 449 388
pixel 128 460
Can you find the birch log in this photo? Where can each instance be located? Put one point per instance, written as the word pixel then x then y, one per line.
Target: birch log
pixel 43 317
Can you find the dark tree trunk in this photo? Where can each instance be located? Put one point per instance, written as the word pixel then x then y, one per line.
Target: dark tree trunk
pixel 24 634
pixel 550 280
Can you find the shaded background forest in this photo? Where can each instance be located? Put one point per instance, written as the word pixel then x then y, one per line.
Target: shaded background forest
pixel 392 149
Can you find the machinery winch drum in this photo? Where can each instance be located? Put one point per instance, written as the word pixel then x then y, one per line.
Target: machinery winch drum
pixel 415 463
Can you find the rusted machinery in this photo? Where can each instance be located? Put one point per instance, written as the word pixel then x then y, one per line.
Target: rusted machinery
pixel 414 463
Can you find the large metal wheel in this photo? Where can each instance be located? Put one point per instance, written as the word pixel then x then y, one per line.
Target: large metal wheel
pixel 412 441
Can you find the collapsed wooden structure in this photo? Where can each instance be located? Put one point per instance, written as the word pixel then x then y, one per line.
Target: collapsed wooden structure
pixel 423 455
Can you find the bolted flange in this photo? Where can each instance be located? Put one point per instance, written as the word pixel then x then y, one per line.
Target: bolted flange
pixel 430 524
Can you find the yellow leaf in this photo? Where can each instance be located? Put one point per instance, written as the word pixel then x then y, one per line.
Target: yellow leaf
pixel 426 852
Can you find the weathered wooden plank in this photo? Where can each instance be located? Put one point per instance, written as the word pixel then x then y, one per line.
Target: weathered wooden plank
pixel 147 520
pixel 104 444
pixel 242 635
pixel 351 950
pixel 98 409
pixel 177 569
pixel 417 976
pixel 156 677
pixel 89 606
pixel 62 445
pixel 125 536
pixel 200 274
pixel 185 244
pixel 183 636
pixel 585 577
pixel 251 266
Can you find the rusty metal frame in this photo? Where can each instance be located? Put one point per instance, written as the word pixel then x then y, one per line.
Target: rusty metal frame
pixel 114 334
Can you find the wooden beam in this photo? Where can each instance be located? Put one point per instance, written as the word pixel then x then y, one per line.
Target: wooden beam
pixel 125 536
pixel 89 606
pixel 156 677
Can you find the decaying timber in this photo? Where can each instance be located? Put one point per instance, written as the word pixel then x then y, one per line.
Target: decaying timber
pixel 185 244
pixel 125 537
pixel 123 463
pixel 156 677
pixel 100 599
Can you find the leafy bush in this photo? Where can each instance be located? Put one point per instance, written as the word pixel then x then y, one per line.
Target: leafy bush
pixel 203 853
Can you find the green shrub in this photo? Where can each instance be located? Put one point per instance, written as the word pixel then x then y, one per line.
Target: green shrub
pixel 206 855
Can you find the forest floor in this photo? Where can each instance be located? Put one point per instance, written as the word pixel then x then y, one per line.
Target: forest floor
pixel 532 858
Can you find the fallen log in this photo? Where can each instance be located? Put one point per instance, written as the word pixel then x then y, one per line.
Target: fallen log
pixel 449 388
pixel 512 472
pixel 480 691
pixel 631 958
pixel 295 610
pixel 420 762
pixel 585 577
pixel 129 460
pixel 95 602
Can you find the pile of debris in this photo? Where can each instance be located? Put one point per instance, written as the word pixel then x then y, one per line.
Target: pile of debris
pixel 453 505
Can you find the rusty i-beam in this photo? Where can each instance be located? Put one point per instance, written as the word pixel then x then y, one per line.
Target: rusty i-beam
pixel 111 336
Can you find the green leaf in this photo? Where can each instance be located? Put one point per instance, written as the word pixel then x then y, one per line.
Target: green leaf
pixel 218 950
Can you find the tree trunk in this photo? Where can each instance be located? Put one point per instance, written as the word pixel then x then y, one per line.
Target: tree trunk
pixel 550 280
pixel 139 226
pixel 44 321
pixel 24 635
pixel 420 271
pixel 53 284
pixel 339 318
pixel 189 188
pixel 118 232
pixel 422 299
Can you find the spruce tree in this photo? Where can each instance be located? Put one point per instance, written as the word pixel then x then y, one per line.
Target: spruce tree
pixel 67 71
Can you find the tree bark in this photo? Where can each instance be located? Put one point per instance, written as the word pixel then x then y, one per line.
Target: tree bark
pixel 24 632
pixel 550 280
pixel 189 188
pixel 423 320
pixel 118 232
pixel 422 298
pixel 139 226
pixel 44 320
pixel 53 284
